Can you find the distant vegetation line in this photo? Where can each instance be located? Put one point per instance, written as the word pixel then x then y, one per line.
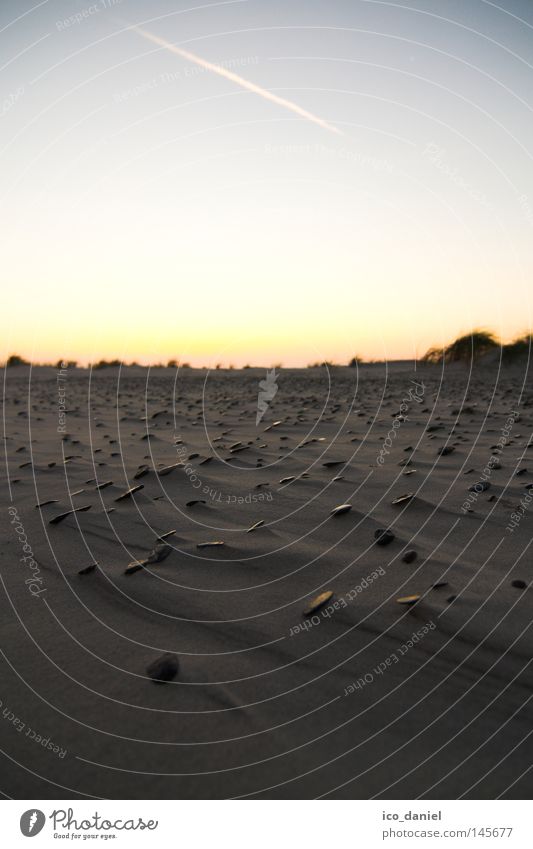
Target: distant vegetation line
pixel 472 346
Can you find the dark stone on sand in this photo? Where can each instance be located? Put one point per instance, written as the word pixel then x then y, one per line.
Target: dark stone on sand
pixel 383 536
pixel 195 501
pixel 166 470
pixel 87 569
pixel 451 598
pixel 519 585
pixel 135 566
pixel 481 486
pixel 410 556
pixel 165 668
pixel 165 535
pixel 439 584
pixel 130 492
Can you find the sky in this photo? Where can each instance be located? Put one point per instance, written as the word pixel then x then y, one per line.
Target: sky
pixel 263 181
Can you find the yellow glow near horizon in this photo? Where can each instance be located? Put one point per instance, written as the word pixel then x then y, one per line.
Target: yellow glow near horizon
pixel 303 209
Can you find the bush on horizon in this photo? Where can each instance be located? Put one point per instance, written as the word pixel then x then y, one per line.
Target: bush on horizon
pixel 477 344
pixel 16 360
pixel 470 346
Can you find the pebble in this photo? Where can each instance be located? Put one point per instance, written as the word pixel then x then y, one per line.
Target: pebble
pixel 165 535
pixel 403 499
pixel 57 519
pixel 481 486
pixel 410 556
pixel 159 553
pixel 130 492
pixel 165 668
pixel 519 585
pixel 408 599
pixel 166 470
pixel 318 602
pixel 342 508
pixel 383 536
pixel 209 544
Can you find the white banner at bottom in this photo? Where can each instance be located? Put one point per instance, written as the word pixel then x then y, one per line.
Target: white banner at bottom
pixel 262 824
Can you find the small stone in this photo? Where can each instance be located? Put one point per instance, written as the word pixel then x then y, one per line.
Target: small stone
pixel 410 556
pixel 209 544
pixel 166 470
pixel 135 566
pixel 165 668
pixel 408 599
pixel 57 519
pixel 519 585
pixel 159 553
pixel 446 450
pixel 404 499
pixel 383 536
pixel 342 508
pixel 167 534
pixel 87 569
pixel 317 603
pixel 130 492
pixel 256 525
pixel 481 486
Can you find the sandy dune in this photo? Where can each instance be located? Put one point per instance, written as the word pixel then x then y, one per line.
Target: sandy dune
pixel 364 696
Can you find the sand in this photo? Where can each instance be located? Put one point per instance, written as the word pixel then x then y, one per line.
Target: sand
pixel 359 697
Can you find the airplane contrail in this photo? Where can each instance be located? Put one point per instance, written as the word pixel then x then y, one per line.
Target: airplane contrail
pixel 235 78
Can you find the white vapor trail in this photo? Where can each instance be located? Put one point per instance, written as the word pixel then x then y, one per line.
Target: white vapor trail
pixel 235 78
